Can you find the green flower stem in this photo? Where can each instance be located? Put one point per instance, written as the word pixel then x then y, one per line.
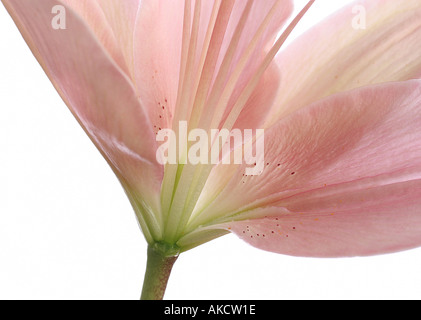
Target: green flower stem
pixel 158 270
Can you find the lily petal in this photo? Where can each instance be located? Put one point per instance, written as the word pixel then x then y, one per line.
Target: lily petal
pixel 337 149
pixel 97 92
pixel 335 56
pixel 93 15
pixel 377 220
pixel 157 48
pixel 121 16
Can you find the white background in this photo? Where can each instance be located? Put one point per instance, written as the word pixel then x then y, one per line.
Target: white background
pixel 67 230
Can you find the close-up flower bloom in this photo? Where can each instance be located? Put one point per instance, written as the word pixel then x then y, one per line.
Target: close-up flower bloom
pixel 315 144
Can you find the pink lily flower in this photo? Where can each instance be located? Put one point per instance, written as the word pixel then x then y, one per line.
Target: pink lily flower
pixel 341 110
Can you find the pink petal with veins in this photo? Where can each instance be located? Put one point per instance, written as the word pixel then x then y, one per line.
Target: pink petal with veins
pixel 121 16
pixel 334 56
pixel 98 93
pixel 355 154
